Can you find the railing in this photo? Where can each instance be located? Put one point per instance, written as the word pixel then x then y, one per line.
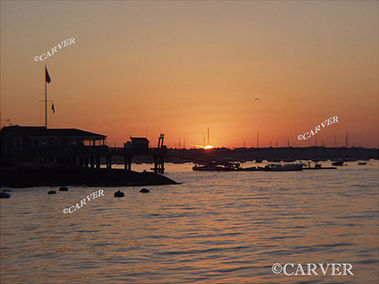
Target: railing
pixel 67 150
pixel 132 151
pixel 95 150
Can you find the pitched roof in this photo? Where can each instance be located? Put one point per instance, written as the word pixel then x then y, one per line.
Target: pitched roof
pixel 140 139
pixel 39 131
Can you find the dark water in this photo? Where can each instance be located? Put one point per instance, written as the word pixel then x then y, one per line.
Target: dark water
pixel 213 228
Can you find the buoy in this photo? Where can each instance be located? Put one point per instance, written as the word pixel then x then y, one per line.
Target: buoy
pixel 4 195
pixel 119 194
pixel 144 190
pixel 63 188
pixel 52 192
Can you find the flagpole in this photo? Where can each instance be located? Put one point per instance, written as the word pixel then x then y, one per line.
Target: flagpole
pixel 45 99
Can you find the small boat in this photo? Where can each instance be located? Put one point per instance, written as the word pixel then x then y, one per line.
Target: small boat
pixel 337 163
pixel 320 168
pixel 218 167
pixel 285 167
pixel 4 195
pixel 250 169
pixel 144 190
pixel 63 188
pixel 119 194
pixel 317 167
pixel 213 168
pixel 52 192
pixel 362 163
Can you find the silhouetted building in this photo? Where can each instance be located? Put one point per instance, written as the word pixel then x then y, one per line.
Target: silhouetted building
pixel 138 143
pixel 40 144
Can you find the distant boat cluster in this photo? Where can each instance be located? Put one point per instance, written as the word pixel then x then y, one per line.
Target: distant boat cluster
pixel 273 167
pixel 237 167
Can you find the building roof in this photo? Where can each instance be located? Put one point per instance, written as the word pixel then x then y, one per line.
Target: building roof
pixel 139 140
pixel 38 131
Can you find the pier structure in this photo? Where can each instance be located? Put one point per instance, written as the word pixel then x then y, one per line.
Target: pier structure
pixel 93 156
pixel 138 146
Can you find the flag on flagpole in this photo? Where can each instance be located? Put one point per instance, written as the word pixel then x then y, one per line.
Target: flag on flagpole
pixel 53 108
pixel 47 76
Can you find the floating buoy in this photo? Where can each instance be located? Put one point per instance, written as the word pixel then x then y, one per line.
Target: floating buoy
pixel 52 192
pixel 4 195
pixel 144 190
pixel 119 194
pixel 63 188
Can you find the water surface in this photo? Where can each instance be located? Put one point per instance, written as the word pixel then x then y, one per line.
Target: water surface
pixel 213 228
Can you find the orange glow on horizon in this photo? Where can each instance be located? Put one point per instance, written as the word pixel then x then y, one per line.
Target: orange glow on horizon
pixel 179 68
pixel 207 147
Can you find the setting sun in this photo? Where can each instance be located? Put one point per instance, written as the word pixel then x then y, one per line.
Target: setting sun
pixel 109 111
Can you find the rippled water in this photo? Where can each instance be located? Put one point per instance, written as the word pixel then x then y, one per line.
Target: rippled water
pixel 213 228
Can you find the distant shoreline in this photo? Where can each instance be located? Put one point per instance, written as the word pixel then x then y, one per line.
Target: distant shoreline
pixel 268 153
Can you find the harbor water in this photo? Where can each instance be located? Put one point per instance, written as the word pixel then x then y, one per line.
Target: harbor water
pixel 214 227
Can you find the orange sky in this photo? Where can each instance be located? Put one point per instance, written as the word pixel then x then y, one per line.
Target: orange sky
pixel 142 68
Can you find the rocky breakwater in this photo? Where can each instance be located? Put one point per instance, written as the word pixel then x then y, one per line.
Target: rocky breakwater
pixel 52 175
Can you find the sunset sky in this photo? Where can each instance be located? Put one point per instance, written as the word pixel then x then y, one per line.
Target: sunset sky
pixel 180 67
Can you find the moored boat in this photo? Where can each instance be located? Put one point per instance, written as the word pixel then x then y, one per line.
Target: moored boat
pixel 226 167
pixel 250 169
pixel 338 163
pixel 317 166
pixel 285 167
